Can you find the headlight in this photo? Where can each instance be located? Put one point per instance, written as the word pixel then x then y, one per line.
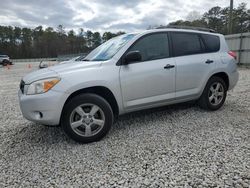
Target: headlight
pixel 42 86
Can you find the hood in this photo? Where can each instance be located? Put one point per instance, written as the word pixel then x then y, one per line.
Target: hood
pixel 38 75
pixel 58 70
pixel 70 60
pixel 63 62
pixel 74 66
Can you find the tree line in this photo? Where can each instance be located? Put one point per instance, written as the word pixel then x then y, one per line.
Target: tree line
pixel 49 42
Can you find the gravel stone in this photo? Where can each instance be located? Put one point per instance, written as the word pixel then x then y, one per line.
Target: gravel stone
pixel 245 185
pixel 175 146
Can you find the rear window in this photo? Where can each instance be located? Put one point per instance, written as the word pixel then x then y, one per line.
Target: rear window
pixel 212 42
pixel 186 43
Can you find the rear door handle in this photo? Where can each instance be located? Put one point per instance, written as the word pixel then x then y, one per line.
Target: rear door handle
pixel 209 61
pixel 168 66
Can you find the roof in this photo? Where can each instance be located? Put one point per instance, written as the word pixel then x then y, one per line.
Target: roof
pixel 177 30
pixel 187 27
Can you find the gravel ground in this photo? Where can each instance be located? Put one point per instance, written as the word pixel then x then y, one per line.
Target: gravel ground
pixel 175 146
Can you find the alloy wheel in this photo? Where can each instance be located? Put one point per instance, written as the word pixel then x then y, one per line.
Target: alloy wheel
pixel 216 93
pixel 87 120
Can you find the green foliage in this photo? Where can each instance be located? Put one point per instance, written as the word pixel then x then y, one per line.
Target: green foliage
pixel 46 42
pixel 217 18
pixel 108 35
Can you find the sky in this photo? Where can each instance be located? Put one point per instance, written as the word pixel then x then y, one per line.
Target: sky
pixel 102 15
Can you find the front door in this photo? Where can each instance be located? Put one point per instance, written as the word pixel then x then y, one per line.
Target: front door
pixel 151 81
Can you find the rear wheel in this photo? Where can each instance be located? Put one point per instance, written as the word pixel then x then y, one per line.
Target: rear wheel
pixel 87 118
pixel 214 94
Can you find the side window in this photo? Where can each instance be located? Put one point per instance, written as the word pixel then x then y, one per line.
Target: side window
pixel 186 43
pixel 151 47
pixel 212 42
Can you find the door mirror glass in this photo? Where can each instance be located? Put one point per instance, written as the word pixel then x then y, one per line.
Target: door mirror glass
pixel 132 56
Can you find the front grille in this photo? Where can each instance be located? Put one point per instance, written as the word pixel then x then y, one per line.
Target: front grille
pixel 22 83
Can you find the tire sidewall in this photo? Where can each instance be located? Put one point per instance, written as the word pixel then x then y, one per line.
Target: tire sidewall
pixel 82 99
pixel 5 62
pixel 206 92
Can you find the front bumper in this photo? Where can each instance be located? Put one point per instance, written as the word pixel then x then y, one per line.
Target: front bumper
pixel 43 108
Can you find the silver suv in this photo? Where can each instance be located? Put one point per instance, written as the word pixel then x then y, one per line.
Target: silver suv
pixel 128 73
pixel 5 60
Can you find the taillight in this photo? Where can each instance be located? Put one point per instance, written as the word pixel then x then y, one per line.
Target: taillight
pixel 233 54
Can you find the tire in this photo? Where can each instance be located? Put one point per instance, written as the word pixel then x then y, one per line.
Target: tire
pixel 208 99
pixel 80 121
pixel 6 62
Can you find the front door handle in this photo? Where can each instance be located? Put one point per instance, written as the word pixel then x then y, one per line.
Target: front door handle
pixel 209 61
pixel 168 66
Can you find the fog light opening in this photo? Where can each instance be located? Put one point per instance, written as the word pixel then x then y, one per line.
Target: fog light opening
pixel 38 115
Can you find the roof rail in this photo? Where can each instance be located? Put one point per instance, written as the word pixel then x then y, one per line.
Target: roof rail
pixel 186 27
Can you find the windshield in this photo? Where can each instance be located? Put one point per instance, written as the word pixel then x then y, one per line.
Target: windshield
pixel 108 49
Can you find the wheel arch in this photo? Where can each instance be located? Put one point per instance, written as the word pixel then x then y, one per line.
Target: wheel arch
pixel 224 76
pixel 102 91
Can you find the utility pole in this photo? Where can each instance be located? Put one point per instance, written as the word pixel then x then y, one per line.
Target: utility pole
pixel 230 25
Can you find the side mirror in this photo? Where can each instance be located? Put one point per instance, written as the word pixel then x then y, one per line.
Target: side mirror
pixel 43 65
pixel 132 56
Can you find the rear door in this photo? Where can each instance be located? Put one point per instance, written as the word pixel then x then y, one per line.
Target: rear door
pixel 193 63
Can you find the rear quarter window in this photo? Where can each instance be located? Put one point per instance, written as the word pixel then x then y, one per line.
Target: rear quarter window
pixel 212 42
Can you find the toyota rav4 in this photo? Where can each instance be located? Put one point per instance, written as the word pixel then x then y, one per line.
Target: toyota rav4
pixel 128 73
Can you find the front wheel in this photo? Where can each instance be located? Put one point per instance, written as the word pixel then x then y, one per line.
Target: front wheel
pixel 6 62
pixel 87 118
pixel 214 94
